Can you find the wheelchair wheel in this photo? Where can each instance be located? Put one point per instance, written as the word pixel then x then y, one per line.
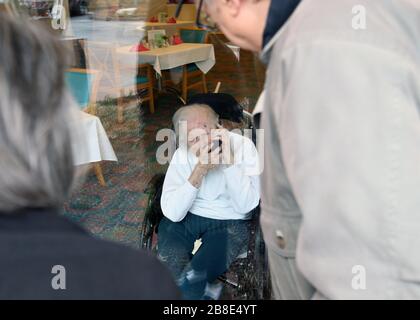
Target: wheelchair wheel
pixel 153 214
pixel 146 234
pixel 253 273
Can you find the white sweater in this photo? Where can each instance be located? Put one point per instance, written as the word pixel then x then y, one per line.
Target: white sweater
pixel 227 192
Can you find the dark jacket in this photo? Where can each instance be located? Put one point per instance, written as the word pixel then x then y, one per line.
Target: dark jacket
pixel 34 241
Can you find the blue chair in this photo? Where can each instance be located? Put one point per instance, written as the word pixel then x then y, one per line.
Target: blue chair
pixel 144 86
pixel 105 58
pixel 193 35
pixel 191 71
pixel 83 84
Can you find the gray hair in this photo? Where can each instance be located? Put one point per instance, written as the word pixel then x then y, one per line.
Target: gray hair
pixel 36 163
pixel 182 114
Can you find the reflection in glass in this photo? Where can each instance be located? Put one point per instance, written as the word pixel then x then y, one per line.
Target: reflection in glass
pixel 147 64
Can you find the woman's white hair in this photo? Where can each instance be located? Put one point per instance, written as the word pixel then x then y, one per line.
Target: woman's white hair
pixel 183 113
pixel 36 163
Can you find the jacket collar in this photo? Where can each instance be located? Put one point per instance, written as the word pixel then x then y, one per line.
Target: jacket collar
pixel 279 13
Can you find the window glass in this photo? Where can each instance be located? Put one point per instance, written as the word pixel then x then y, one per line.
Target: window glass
pixel 132 65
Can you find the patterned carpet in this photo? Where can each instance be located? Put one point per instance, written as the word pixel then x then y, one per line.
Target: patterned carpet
pixel 115 212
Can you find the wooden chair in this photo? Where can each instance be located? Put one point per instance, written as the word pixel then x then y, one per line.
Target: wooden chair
pixel 144 83
pixel 192 76
pixel 103 56
pixel 84 86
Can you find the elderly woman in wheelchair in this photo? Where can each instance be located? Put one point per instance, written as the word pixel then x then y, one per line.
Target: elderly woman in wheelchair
pixel 210 188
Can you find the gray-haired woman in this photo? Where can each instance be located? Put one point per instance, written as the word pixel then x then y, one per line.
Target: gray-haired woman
pixel 43 255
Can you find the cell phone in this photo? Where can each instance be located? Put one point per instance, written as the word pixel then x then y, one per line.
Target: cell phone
pixel 216 144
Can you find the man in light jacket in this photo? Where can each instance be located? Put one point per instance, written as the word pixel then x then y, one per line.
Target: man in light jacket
pixel 340 109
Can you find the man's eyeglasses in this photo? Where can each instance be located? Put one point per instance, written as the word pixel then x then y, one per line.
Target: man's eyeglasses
pixel 202 19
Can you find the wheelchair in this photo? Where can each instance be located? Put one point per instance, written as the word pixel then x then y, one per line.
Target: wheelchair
pixel 248 275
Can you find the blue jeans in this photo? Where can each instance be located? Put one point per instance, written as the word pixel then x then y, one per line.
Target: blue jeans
pixel 222 242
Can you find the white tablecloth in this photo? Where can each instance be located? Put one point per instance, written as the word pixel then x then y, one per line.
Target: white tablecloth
pixel 90 141
pixel 235 49
pixel 175 56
